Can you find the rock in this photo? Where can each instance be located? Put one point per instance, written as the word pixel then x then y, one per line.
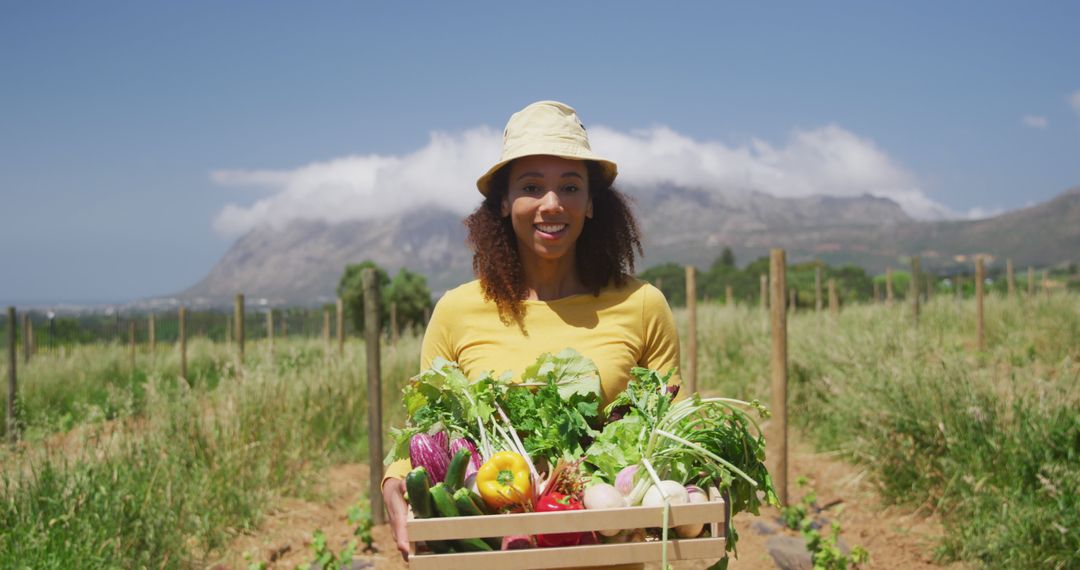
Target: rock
pixel 789 553
pixel 764 527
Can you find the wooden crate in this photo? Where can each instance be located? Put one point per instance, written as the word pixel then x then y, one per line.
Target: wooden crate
pixel 714 512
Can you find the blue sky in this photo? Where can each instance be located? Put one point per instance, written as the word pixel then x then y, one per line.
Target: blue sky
pixel 139 139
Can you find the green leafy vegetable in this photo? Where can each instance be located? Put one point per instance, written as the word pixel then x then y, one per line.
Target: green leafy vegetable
pixel 557 419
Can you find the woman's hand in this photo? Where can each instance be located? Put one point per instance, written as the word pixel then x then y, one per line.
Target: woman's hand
pixel 393 491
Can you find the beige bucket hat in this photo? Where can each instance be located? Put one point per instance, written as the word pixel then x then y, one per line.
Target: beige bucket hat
pixel 546 127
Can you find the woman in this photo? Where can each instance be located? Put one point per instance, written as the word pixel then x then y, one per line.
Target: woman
pixel 554 247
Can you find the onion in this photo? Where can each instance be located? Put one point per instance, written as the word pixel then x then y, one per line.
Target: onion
pixel 624 481
pixel 696 495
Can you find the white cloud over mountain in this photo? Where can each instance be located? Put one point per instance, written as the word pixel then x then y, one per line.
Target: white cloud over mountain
pixel 825 161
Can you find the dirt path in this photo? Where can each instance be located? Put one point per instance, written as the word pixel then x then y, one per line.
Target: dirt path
pixel 895 537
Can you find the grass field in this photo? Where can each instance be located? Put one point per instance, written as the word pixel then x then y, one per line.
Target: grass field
pixel 134 468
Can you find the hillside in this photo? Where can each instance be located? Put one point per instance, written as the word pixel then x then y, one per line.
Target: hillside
pixel 302 262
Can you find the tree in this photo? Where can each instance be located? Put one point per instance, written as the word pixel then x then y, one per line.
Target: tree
pixel 410 291
pixel 726 259
pixel 351 291
pixel 670 278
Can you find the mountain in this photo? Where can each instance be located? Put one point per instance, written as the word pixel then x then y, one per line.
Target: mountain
pixel 301 263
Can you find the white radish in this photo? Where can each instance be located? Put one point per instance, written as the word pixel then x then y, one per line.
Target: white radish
pixel 692 530
pixel 603 496
pixel 674 491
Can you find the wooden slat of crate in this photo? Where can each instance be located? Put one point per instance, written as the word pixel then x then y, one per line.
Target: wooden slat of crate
pixel 565 521
pixel 571 556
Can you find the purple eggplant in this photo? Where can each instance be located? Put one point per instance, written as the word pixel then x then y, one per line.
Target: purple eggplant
pixel 428 452
pixel 442 440
pixel 474 462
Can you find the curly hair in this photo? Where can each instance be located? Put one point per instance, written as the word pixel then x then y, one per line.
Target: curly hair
pixel 605 250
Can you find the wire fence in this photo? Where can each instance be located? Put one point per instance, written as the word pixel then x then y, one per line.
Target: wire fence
pixel 49 333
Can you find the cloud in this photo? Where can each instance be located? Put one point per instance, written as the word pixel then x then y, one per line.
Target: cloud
pixel 1074 101
pixel 981 213
pixel 825 161
pixel 1035 121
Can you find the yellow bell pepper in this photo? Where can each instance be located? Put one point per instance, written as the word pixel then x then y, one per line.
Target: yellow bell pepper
pixel 504 480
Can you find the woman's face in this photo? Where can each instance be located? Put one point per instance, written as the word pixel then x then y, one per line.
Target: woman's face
pixel 548 201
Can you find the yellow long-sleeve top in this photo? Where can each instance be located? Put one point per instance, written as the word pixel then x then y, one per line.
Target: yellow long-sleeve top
pixel 618 329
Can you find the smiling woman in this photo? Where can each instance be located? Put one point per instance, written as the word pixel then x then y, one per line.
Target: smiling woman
pixel 544 180
pixel 553 246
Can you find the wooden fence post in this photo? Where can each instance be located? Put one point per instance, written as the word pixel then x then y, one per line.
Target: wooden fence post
pixel 888 287
pixel 270 330
pixel 340 326
pixel 374 392
pixel 817 288
pixel 33 344
pixel 131 342
pixel 183 345
pixel 777 270
pixel 326 329
pixel 730 294
pixel 239 318
pixel 980 276
pixel 153 333
pixel 1011 276
pixel 914 288
pixel 834 299
pixel 764 292
pixel 13 392
pixel 1031 281
pixel 25 337
pixel 690 377
pixel 393 323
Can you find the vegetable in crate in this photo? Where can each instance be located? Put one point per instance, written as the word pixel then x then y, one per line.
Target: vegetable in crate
pixel 698 441
pixel 474 460
pixel 505 481
pixel 558 419
pixel 455 473
pixel 418 487
pixel 442 399
pixel 428 451
pixel 557 502
pixel 446 507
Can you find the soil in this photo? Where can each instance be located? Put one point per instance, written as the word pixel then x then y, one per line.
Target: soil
pixel 895 537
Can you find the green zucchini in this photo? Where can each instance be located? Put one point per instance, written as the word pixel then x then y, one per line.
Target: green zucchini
pixel 417 485
pixel 455 473
pixel 443 501
pixel 445 507
pixel 463 499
